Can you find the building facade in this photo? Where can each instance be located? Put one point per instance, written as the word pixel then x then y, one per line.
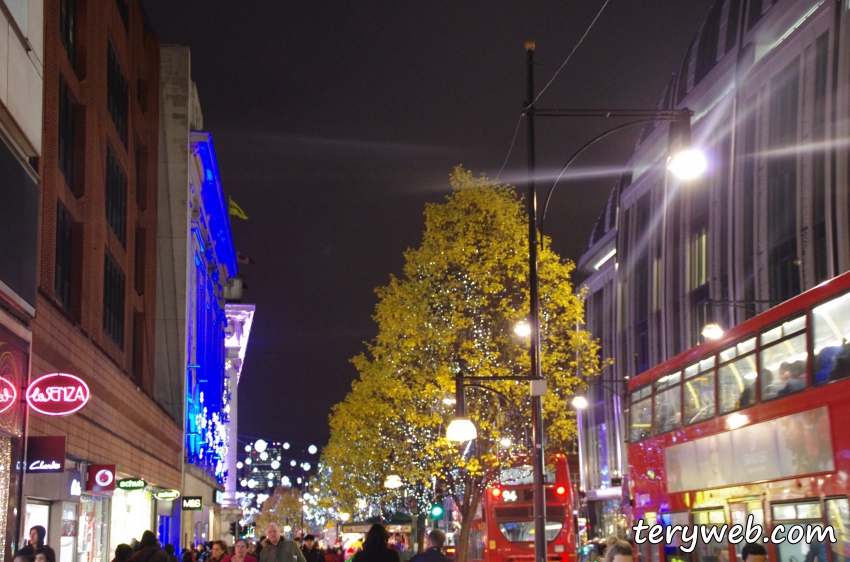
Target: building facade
pixel 21 84
pixel 196 258
pixel 96 283
pixel 768 84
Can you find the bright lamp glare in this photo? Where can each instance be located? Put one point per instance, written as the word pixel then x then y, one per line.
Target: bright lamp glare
pixel 393 481
pixel 461 429
pixel 312 449
pixel 688 164
pixel 712 331
pixel 505 441
pixel 523 329
pixel 260 445
pixel 580 402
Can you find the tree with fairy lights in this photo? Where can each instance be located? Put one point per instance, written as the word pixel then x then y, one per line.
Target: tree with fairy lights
pixel 283 507
pixel 454 310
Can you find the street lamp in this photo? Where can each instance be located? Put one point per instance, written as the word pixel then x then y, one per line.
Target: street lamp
pixel 712 331
pixel 393 481
pixel 686 164
pixel 579 402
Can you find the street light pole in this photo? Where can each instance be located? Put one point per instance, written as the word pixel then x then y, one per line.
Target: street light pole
pixel 539 507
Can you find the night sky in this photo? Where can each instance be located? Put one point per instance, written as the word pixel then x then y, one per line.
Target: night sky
pixel 335 122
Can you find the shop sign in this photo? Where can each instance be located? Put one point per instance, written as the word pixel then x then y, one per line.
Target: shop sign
pixel 8 395
pixel 46 454
pixel 101 479
pixel 167 495
pixel 218 497
pixel 57 394
pixel 76 488
pixel 132 484
pixel 192 503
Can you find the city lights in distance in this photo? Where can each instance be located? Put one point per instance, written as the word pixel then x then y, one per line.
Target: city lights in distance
pixel 286 445
pixel 306 466
pixel 260 445
pixel 264 456
pixel 252 483
pixel 275 465
pixel 247 448
pixel 239 464
pixel 247 461
pixel 292 463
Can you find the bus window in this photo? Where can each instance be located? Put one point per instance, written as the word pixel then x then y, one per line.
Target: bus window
pixel 784 367
pixel 798 515
pixel 737 384
pixel 523 531
pixel 672 551
pixel 668 403
pixel 838 517
pixel 831 333
pixel 640 415
pixel 713 551
pixel 699 392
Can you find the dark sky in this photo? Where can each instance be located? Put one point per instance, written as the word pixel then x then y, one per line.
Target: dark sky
pixel 335 122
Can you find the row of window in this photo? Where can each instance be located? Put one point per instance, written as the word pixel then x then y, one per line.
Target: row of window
pixel 785 359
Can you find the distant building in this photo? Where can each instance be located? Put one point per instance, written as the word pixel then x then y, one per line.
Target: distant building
pixel 97 278
pixel 195 261
pixel 768 83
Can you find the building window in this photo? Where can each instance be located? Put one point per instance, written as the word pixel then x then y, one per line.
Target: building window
pixel 66 133
pixel 682 85
pixel 754 13
pixel 141 178
pixel 67 9
pixel 113 300
pixel 783 264
pixel 819 185
pixel 123 11
pixel 116 93
pixel 707 50
pixel 139 269
pixel 749 208
pixel 64 256
pixel 138 346
pixel 732 24
pixel 116 196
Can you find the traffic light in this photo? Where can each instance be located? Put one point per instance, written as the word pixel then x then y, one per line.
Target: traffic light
pixel 234 529
pixel 436 510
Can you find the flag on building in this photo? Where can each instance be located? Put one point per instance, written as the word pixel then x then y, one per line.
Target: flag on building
pixel 236 210
pixel 243 259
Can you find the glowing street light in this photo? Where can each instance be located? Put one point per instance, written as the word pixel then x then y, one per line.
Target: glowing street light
pixel 505 441
pixel 344 517
pixel 688 164
pixel 461 429
pixel 393 481
pixel 712 331
pixel 523 329
pixel 579 402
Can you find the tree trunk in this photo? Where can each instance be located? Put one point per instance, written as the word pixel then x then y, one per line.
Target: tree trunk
pixel 467 513
pixel 420 533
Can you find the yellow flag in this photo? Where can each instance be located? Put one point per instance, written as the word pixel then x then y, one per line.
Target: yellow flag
pixel 236 210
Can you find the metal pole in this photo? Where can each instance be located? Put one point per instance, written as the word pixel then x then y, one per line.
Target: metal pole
pixel 534 298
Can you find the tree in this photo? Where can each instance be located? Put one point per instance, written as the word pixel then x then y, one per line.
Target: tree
pixel 454 311
pixel 282 507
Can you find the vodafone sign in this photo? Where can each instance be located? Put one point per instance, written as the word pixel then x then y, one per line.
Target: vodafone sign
pixel 56 394
pixel 101 479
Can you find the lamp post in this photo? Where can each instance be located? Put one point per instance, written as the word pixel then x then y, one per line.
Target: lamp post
pixel 691 164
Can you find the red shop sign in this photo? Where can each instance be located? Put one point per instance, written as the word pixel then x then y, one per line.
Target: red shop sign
pixel 101 479
pixel 8 395
pixel 57 394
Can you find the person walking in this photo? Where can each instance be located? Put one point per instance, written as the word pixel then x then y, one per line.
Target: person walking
pixel 45 554
pixel 36 541
pixel 311 550
pixel 169 550
pixel 240 553
pixel 123 552
pixel 218 551
pixel 434 552
pixel 149 550
pixel 278 548
pixel 375 546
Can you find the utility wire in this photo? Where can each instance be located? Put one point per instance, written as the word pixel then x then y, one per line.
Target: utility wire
pixel 580 41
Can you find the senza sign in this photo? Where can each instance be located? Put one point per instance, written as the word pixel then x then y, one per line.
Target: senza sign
pixel 131 484
pixel 8 395
pixel 57 394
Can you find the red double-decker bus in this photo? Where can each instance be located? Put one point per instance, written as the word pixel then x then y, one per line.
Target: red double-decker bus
pixel 503 529
pixel 752 424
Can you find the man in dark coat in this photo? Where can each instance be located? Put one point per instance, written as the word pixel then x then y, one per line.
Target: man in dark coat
pixel 311 551
pixel 36 541
pixel 436 540
pixel 279 549
pixel 149 550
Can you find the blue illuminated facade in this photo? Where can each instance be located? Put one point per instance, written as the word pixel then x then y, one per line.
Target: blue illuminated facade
pixel 212 263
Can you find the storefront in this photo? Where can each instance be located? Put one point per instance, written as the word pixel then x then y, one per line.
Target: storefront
pixel 14 364
pixel 201 515
pixel 132 512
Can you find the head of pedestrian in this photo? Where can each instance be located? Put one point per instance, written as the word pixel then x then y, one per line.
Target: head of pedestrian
pixel 273 533
pixel 436 539
pixel 309 540
pixel 45 554
pixel 219 550
pixel 619 550
pixel 376 538
pixel 37 534
pixel 753 553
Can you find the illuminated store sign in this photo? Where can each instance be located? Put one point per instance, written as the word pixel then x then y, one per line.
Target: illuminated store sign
pixel 76 487
pixel 101 479
pixel 192 503
pixel 57 394
pixel 46 454
pixel 167 495
pixel 132 484
pixel 8 395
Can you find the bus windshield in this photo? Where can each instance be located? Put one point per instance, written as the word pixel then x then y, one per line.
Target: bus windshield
pixel 523 475
pixel 523 531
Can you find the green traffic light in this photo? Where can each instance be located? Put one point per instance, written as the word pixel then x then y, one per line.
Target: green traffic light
pixel 436 511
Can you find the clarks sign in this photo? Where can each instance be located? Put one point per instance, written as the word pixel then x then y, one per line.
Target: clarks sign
pixel 46 454
pixel 56 394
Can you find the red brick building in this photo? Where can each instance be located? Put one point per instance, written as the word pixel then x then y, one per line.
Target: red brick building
pixel 96 278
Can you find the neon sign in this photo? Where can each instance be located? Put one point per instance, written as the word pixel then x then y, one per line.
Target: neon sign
pixel 132 484
pixel 8 395
pixel 166 495
pixel 57 394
